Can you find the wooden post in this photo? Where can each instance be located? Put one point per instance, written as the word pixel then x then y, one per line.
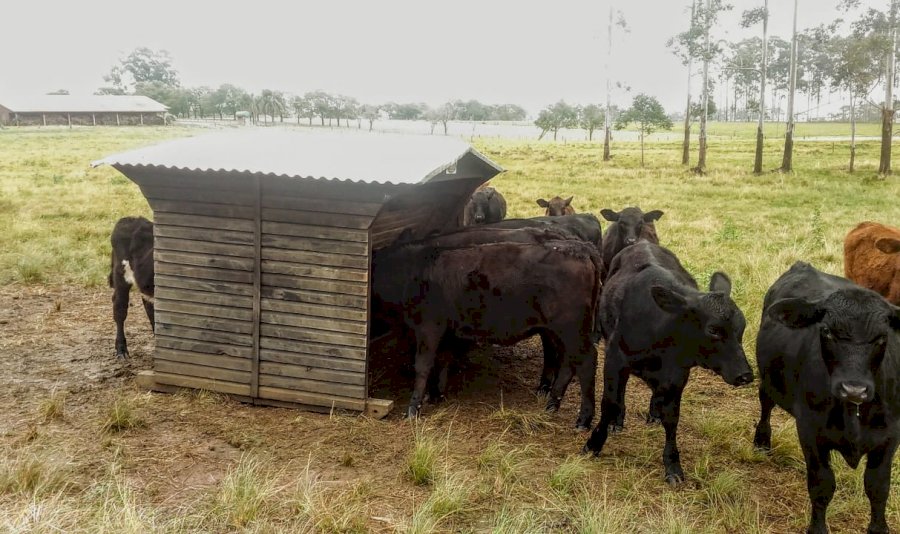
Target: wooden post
pixel 94 119
pixel 142 119
pixel 44 118
pixel 117 120
pixel 17 119
pixel 257 281
pixel 69 118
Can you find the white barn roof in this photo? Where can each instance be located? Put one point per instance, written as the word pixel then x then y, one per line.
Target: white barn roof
pixel 342 155
pixel 83 104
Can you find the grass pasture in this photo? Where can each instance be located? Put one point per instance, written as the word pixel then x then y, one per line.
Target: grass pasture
pixel 83 450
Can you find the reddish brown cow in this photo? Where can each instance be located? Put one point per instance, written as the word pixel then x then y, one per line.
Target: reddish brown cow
pixel 872 258
pixel 557 206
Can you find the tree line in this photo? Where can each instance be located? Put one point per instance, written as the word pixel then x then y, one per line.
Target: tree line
pixel 151 73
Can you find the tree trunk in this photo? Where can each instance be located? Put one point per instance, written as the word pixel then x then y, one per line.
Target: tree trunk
pixel 445 126
pixel 887 113
pixel 322 120
pixel 787 162
pixel 686 144
pixel 852 132
pixel 370 124
pixel 757 161
pixel 590 134
pixel 701 159
pixel 606 138
pixel 543 133
pixel 642 148
pixel 555 131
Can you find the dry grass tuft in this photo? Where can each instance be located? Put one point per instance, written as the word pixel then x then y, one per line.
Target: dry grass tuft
pixel 33 474
pixel 422 461
pixel 329 510
pixel 569 475
pixel 525 422
pixel 244 493
pixel 53 407
pixel 122 415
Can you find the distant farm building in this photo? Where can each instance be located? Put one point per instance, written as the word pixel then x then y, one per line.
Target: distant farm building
pixel 263 250
pixel 93 110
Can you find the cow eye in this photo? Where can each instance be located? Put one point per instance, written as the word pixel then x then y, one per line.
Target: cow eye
pixel 715 332
pixel 826 333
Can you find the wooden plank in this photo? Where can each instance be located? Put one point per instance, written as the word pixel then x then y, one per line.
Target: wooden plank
pixel 204 260
pixel 315 271
pixel 320 205
pixel 200 346
pixel 315 310
pixel 314 284
pixel 177 285
pixel 312 348
pixel 222 275
pixel 203 297
pixel 293 243
pixel 199 221
pixel 210 193
pixel 307 360
pixel 378 408
pixel 199 358
pixel 313 373
pixel 204 247
pixel 196 382
pixel 192 308
pixel 313 399
pixel 204 323
pixel 317 218
pixel 314 258
pixel 200 208
pixel 202 234
pixel 257 281
pixel 202 371
pixel 313 386
pixel 309 334
pixel 171 330
pixel 319 232
pixel 313 297
pixel 302 321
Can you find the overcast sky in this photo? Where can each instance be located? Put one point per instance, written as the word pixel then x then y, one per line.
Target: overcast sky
pixel 529 53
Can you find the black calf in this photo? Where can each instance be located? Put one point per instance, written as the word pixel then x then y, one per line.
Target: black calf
pixel 132 264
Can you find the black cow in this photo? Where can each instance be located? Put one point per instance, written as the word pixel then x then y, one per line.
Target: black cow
pixel 584 226
pixel 659 326
pixel 132 264
pixel 486 206
pixel 497 293
pixel 557 206
pixel 829 354
pixel 628 226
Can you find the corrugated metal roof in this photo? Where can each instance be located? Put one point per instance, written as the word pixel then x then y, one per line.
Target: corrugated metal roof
pixel 343 155
pixel 82 104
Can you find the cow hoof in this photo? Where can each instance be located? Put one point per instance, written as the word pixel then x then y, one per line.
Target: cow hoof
pixel 412 413
pixel 582 427
pixel 543 390
pixel 674 480
pixel 122 355
pixel 587 450
pixel 653 420
pixel 615 429
pixel 552 406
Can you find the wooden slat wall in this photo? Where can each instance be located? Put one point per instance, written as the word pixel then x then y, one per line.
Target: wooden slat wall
pixel 314 305
pixel 203 248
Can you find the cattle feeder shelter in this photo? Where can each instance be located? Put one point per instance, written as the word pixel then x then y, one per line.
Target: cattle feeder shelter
pixel 263 246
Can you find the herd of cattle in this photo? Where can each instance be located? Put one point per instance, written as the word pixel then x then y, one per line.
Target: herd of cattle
pixel 828 348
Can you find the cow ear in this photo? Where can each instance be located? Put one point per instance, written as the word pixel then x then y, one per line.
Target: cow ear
pixel 888 245
pixel 569 200
pixel 796 312
pixel 651 216
pixel 543 203
pixel 720 282
pixel 609 215
pixel 895 318
pixel 668 300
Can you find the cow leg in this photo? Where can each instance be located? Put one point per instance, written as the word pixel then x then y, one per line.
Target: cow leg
pixel 587 377
pixel 551 365
pixel 615 378
pixel 148 307
pixel 878 485
pixel 670 411
pixel 121 289
pixel 762 439
pixel 654 413
pixel 426 353
pixel 819 481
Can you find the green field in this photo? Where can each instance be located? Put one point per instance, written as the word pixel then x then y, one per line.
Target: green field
pixel 480 467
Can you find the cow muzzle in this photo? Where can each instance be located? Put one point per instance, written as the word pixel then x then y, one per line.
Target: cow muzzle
pixel 630 240
pixel 854 392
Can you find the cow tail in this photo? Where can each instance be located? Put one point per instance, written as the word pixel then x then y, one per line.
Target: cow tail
pixel 596 330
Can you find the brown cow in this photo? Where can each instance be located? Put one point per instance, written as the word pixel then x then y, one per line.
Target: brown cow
pixel 486 206
pixel 557 206
pixel 872 258
pixel 497 293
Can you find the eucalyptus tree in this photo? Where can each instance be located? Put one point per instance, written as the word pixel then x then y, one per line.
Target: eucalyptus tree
pixel 616 19
pixel 590 118
pixel 749 18
pixel 686 46
pixel 787 162
pixel 708 15
pixel 648 114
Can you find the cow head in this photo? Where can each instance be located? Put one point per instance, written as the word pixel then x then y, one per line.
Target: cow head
pixel 631 222
pixel 556 206
pixel 715 323
pixel 480 204
pixel 854 326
